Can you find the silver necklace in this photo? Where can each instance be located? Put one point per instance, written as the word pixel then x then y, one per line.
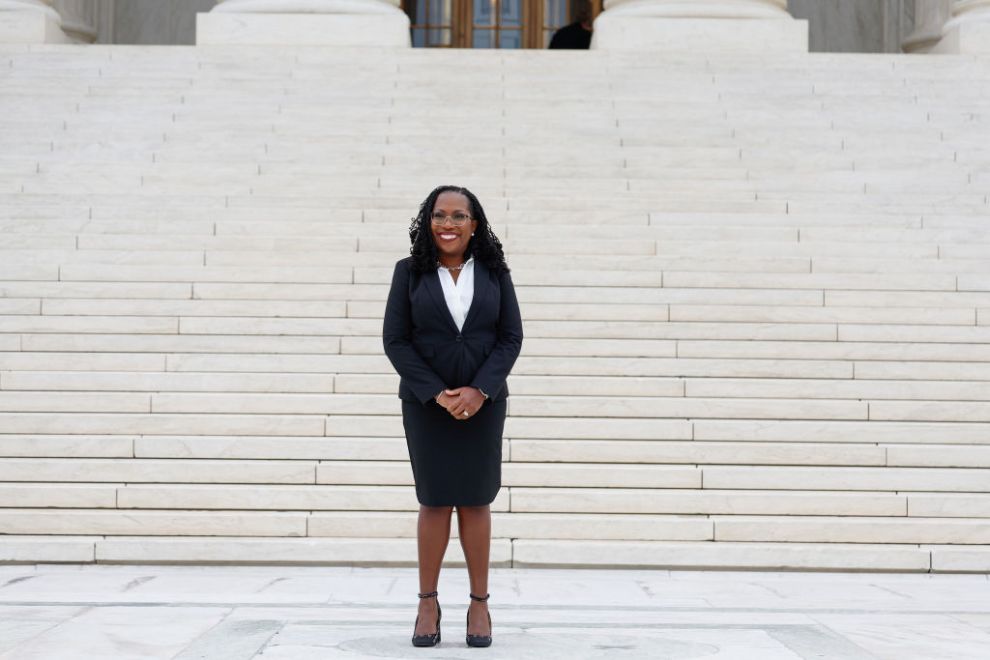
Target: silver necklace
pixel 449 268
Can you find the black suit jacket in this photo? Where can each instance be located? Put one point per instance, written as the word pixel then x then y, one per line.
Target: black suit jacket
pixel 425 347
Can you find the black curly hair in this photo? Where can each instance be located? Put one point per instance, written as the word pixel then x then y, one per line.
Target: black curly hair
pixel 483 246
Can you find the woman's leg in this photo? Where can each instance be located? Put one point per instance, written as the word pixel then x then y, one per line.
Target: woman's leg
pixel 474 525
pixel 432 535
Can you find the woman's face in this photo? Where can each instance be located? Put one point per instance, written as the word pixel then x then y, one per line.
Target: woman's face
pixel 450 238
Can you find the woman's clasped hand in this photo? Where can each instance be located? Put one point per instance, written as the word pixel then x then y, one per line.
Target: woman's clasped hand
pixel 461 400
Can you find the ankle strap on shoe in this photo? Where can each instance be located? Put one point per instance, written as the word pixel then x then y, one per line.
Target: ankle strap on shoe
pixel 480 599
pixel 432 594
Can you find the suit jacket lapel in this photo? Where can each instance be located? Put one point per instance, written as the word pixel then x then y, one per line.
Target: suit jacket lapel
pixel 481 284
pixel 436 292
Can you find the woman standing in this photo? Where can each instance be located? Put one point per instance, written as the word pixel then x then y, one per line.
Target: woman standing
pixel 452 331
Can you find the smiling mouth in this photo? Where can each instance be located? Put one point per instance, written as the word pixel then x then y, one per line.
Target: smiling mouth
pixel 446 236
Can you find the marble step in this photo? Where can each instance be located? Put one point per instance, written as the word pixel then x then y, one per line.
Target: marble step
pixel 705 347
pixel 238 194
pixel 363 331
pixel 241 550
pixel 768 430
pixel 738 118
pixel 524 499
pixel 515 474
pixel 510 526
pixel 206 424
pixel 749 502
pixel 521 406
pixel 512 125
pixel 624 246
pixel 400 524
pixel 372 223
pixel 157 471
pixel 23 549
pixel 286 269
pixel 861 323
pixel 730 501
pixel 58 495
pixel 526 365
pixel 515 526
pixel 35 280
pixel 530 500
pixel 609 475
pixel 525 86
pixel 151 381
pixel 292 382
pixel 748 556
pixel 520 553
pixel 847 478
pixel 820 529
pixel 744 453
pixel 149 343
pixel 164 523
pixel 200 343
pixel 848 196
pixel 25 278
pixel 136 234
pixel 950 449
pixel 835 431
pixel 404 201
pixel 56 446
pixel 394 178
pixel 284 121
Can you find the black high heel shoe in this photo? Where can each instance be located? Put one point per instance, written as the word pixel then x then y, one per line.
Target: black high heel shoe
pixel 479 640
pixel 431 639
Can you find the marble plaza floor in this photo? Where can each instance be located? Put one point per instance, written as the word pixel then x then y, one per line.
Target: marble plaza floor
pixel 77 612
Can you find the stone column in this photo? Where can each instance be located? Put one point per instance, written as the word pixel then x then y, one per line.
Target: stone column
pixel 968 31
pixel 699 26
pixel 79 18
pixel 929 19
pixel 305 22
pixel 30 22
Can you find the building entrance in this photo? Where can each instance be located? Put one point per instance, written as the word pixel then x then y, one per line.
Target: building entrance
pixel 488 23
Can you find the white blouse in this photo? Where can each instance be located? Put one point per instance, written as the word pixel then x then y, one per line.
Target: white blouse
pixel 459 294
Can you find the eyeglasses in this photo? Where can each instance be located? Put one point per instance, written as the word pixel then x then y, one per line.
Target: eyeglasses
pixel 458 219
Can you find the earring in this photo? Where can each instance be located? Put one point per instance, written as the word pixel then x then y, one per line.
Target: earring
pixel 472 233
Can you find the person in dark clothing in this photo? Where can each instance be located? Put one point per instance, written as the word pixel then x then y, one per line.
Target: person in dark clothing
pixel 452 330
pixel 577 35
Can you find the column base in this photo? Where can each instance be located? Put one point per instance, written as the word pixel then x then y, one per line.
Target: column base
pixel 706 35
pixel 387 30
pixel 968 38
pixel 30 27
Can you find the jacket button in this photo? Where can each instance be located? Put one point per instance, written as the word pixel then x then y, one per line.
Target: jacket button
pixel 459 338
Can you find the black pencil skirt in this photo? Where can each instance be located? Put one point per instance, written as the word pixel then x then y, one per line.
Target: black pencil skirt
pixel 455 462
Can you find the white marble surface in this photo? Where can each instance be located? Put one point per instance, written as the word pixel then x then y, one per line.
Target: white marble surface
pixel 699 35
pixel 80 612
pixel 136 304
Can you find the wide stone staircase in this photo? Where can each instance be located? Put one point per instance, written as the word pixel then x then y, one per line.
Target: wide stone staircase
pixel 756 297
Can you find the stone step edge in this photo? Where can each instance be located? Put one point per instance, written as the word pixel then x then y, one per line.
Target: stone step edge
pixel 671 555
